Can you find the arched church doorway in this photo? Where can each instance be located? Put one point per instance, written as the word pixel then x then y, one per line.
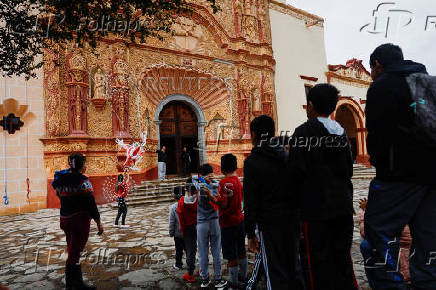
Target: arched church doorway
pixel 178 129
pixel 345 117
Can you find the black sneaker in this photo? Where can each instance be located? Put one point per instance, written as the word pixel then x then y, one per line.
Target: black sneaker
pixel 205 283
pixel 220 284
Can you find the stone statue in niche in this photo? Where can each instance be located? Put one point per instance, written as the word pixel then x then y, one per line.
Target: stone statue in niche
pixel 244 114
pixel 77 84
pixel 238 7
pixel 72 116
pixel 247 6
pixel 250 28
pixel 256 101
pixel 99 91
pixel 119 93
pixel 121 73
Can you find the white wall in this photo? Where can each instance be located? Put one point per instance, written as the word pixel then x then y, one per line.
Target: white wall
pixel 23 149
pixel 298 50
pixel 347 90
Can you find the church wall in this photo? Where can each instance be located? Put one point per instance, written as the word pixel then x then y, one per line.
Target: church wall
pixel 117 91
pixel 353 81
pixel 298 50
pixel 92 98
pixel 357 91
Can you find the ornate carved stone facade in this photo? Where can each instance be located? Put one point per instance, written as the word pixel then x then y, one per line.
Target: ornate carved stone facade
pixel 223 62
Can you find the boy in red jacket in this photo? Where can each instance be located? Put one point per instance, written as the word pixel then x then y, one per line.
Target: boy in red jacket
pixel 231 220
pixel 187 213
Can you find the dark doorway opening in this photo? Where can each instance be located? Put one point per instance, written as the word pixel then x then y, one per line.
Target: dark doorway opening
pixel 178 129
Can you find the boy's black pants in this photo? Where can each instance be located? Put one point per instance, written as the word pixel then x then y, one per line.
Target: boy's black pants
pixel 392 205
pixel 190 239
pixel 326 254
pixel 180 247
pixel 279 247
pixel 122 210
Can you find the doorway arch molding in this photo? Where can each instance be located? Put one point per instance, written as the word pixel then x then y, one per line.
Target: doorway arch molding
pixel 359 122
pixel 201 120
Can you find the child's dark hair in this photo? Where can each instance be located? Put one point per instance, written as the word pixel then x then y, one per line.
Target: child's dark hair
pixel 324 98
pixel 386 54
pixel 229 163
pixel 189 186
pixel 263 127
pixel 76 161
pixel 178 192
pixel 205 169
pixel 120 178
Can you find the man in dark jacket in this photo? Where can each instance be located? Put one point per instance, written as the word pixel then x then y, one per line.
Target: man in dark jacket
pixel 186 162
pixel 321 168
pixel 403 191
pixel 270 205
pixel 162 163
pixel 78 207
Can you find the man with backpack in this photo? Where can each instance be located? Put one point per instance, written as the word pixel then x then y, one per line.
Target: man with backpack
pixel 400 119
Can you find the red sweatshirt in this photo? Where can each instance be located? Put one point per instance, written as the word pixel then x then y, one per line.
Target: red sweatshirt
pixel 187 213
pixel 230 194
pixel 122 190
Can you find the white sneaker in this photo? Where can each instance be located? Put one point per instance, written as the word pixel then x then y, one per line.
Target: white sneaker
pixel 220 284
pixel 205 283
pixel 125 226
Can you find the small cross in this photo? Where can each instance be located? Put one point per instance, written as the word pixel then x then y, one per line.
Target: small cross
pixel 11 123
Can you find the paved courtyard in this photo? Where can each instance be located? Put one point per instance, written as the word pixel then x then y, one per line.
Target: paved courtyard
pixel 32 252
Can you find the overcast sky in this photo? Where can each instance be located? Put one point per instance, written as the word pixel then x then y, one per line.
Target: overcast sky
pixel 345 18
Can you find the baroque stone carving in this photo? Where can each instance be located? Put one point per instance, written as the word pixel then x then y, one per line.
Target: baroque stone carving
pixel 200 60
pixel 188 36
pixel 119 90
pixel 250 28
pixel 77 84
pixel 51 88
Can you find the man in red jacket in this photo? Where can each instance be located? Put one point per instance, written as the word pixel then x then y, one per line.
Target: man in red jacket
pixel 187 212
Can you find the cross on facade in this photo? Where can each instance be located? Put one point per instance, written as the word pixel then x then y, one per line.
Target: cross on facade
pixel 11 123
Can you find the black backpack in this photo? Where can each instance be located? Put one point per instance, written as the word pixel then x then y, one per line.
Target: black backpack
pixel 423 92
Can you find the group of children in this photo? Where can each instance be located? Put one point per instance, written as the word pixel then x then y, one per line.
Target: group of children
pixel 293 190
pixel 209 214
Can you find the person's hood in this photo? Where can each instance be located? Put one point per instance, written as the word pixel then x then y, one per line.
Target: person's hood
pixel 332 126
pixel 274 150
pixel 405 68
pixel 67 177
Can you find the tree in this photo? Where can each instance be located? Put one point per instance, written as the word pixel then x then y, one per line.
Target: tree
pixel 27 27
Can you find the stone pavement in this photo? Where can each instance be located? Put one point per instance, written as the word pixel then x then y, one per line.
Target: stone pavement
pixel 32 252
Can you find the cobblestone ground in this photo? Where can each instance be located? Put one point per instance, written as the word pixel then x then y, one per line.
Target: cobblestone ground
pixel 32 252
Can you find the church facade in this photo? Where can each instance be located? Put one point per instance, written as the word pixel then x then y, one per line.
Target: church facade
pixel 199 89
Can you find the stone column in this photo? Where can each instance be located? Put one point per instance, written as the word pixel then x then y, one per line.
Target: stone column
pixel 201 142
pixel 157 124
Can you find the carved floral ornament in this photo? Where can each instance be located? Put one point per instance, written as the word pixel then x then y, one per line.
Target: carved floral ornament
pixel 77 67
pixel 160 81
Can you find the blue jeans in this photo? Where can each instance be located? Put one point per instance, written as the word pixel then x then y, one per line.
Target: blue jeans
pixel 162 170
pixel 209 231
